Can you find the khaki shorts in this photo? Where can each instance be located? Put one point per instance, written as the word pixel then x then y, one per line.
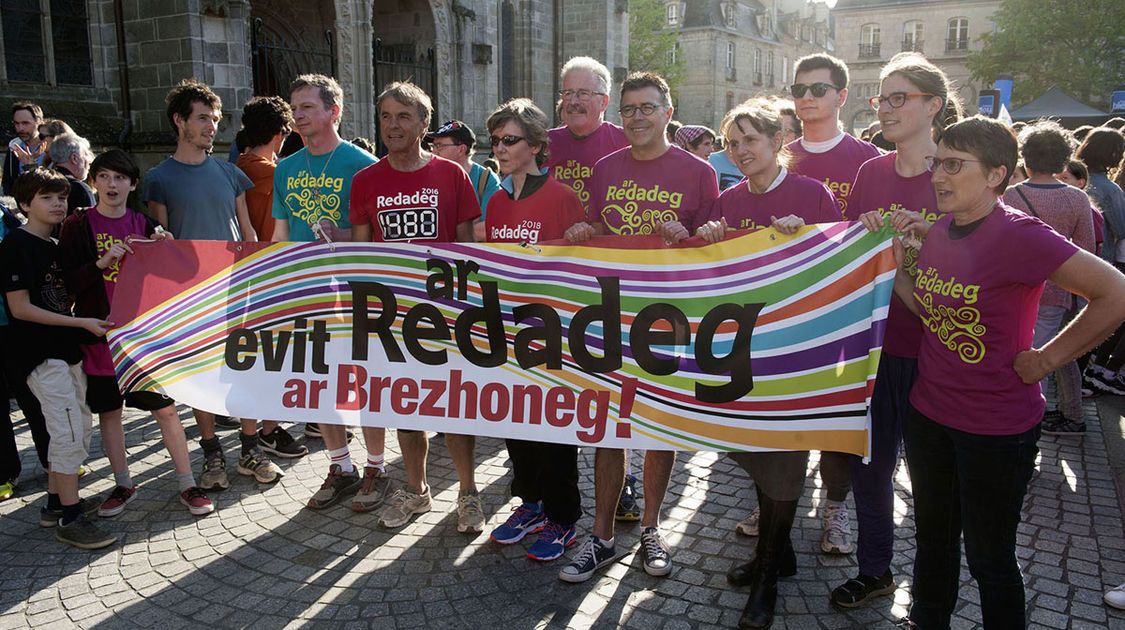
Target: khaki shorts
pixel 61 390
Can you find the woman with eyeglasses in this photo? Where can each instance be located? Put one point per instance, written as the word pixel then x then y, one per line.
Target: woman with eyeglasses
pixel 49 130
pixel 532 207
pixel 976 406
pixel 915 103
pixel 769 196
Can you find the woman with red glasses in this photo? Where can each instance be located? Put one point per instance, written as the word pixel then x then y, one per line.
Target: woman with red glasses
pixel 915 103
pixel 976 406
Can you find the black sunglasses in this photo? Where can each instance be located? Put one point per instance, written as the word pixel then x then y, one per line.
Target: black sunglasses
pixel 818 89
pixel 509 141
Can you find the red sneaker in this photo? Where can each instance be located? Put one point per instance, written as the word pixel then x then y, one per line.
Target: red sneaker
pixel 115 504
pixel 197 503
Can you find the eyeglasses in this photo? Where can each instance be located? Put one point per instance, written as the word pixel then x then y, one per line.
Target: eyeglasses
pixel 46 136
pixel 582 95
pixel 438 147
pixel 949 165
pixel 508 141
pixel 895 99
pixel 628 111
pixel 818 89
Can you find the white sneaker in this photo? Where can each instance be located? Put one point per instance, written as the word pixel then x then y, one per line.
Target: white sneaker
pixel 1116 597
pixel 837 536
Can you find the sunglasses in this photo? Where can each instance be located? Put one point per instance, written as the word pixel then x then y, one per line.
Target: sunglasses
pixel 818 89
pixel 895 99
pixel 508 141
pixel 949 165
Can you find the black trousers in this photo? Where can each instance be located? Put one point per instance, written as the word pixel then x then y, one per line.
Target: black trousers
pixel 548 473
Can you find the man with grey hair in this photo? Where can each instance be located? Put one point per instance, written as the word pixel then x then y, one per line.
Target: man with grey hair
pixel 585 136
pixel 71 156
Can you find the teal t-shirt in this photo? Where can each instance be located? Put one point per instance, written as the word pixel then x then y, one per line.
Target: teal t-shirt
pixel 485 188
pixel 308 188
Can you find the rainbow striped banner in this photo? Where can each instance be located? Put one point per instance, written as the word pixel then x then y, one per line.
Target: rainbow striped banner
pixel 760 342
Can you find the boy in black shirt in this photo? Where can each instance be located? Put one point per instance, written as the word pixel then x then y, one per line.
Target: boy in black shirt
pixel 45 339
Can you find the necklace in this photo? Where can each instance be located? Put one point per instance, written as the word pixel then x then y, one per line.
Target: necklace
pixel 316 191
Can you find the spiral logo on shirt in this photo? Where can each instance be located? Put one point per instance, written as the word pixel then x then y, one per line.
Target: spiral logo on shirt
pixel 309 208
pixel 958 329
pixel 579 188
pixel 635 220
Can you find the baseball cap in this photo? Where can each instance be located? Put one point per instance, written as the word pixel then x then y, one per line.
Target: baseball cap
pixel 455 129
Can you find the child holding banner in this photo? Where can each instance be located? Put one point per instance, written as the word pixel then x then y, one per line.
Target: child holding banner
pixel 533 207
pixel 770 196
pixel 92 243
pixel 45 345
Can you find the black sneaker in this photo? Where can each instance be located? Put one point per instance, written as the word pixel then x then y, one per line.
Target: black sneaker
pixel 861 588
pixel 83 534
pixel 337 485
pixel 227 422
pixel 592 556
pixel 281 444
pixel 1062 426
pixel 50 518
pixel 312 431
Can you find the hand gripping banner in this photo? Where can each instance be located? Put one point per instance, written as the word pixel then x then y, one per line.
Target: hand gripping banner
pixel 762 341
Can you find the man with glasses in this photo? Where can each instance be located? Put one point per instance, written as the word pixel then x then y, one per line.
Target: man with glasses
pixel 414 196
pixel 311 192
pixel 824 152
pixel 585 136
pixel 71 156
pixel 634 191
pixel 26 150
pixel 455 141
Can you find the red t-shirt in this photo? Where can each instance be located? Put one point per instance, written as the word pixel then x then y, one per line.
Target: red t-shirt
pixel 802 196
pixel 541 216
pixel 631 196
pixel 424 205
pixel 978 296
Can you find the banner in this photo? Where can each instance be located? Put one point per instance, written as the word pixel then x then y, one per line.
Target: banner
pixel 761 341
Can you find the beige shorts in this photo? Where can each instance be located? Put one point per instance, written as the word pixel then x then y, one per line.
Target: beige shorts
pixel 61 390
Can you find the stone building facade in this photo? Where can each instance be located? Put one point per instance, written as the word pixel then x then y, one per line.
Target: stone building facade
pixel 469 54
pixel 735 49
pixel 870 32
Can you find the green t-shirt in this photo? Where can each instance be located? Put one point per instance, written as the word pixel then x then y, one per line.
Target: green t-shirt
pixel 309 188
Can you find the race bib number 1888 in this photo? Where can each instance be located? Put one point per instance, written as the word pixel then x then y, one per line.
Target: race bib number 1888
pixel 402 224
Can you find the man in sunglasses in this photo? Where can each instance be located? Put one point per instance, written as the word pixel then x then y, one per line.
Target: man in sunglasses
pixel 26 150
pixel 638 190
pixel 455 141
pixel 585 136
pixel 414 196
pixel 824 152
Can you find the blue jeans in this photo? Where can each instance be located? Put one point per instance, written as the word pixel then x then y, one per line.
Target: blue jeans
pixel 873 483
pixel 974 484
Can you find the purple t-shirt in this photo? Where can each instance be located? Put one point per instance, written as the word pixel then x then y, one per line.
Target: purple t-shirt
pixel 796 194
pixel 631 196
pixel 107 232
pixel 572 159
pixel 835 167
pixel 878 187
pixel 978 296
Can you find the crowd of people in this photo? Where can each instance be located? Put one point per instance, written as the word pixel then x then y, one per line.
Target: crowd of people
pixel 999 285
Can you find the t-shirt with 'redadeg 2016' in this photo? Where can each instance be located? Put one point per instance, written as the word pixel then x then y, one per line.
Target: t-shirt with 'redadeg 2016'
pixel 631 196
pixel 423 205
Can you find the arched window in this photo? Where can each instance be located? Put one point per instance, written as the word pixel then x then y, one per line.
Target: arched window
pixel 958 34
pixel 912 35
pixel 869 40
pixel 730 55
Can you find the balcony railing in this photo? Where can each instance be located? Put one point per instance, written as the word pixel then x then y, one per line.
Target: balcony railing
pixel 956 45
pixel 868 50
pixel 732 74
pixel 912 45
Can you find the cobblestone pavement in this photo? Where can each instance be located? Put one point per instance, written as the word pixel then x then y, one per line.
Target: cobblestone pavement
pixel 263 561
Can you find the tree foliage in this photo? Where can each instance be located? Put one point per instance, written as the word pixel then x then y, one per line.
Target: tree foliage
pixel 1078 46
pixel 652 41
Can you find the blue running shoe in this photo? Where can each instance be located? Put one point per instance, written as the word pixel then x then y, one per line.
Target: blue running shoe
pixel 526 519
pixel 552 542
